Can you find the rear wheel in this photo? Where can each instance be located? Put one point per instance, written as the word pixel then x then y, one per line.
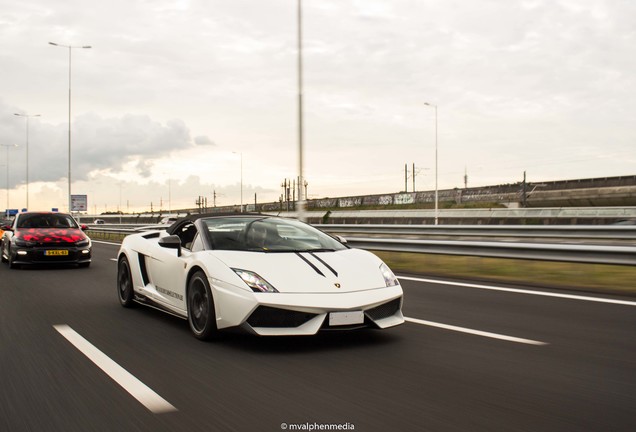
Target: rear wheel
pixel 125 289
pixel 201 315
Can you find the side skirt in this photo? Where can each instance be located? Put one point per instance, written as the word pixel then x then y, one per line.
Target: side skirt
pixel 145 301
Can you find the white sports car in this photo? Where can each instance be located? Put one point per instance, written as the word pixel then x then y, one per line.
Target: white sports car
pixel 267 275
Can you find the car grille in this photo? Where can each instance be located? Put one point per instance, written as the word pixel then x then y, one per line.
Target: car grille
pixel 55 245
pixel 265 316
pixel 384 310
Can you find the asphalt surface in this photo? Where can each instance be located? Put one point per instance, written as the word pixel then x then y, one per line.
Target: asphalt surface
pixel 572 366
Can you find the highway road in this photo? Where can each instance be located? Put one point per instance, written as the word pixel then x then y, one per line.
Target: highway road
pixel 470 358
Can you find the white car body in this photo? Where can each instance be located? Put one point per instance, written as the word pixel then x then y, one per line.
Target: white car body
pixel 310 290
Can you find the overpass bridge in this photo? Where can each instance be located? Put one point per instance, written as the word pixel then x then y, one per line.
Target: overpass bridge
pixel 585 201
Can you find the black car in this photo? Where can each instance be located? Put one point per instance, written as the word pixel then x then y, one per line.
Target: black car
pixel 45 238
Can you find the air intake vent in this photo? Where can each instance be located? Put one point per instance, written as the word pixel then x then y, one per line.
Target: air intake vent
pixel 384 310
pixel 265 316
pixel 142 268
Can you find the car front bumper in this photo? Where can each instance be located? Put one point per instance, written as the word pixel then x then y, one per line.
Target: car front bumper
pixel 51 255
pixel 271 314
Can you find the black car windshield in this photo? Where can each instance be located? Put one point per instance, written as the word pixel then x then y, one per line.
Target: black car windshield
pixel 267 234
pixel 46 220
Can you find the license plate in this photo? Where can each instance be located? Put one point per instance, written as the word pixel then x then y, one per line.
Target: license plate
pixel 346 318
pixel 56 252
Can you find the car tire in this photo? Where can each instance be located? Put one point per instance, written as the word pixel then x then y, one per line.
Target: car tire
pixel 125 290
pixel 10 260
pixel 200 305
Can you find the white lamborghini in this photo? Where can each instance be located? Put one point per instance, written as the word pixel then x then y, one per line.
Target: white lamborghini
pixel 267 275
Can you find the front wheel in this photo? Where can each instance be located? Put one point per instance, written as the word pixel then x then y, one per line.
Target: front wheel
pixel 125 290
pixel 12 265
pixel 201 315
pixel 2 258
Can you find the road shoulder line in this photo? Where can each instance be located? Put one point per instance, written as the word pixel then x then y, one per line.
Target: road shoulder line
pixel 475 332
pixel 522 291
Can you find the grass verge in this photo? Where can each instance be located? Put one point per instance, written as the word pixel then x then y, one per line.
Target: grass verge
pixel 96 235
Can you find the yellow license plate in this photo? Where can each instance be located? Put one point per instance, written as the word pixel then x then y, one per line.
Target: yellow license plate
pixel 56 252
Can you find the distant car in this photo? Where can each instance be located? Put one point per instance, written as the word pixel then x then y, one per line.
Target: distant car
pixel 168 220
pixel 99 221
pixel 45 238
pixel 266 275
pixel 625 222
pixel 3 223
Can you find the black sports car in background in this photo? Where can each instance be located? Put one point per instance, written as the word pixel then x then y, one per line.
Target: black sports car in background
pixel 45 238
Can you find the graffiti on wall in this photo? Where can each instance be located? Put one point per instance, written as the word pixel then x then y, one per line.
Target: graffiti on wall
pixel 350 202
pixel 404 199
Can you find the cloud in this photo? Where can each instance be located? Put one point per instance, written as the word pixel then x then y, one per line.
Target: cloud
pixel 203 140
pixel 144 168
pixel 97 143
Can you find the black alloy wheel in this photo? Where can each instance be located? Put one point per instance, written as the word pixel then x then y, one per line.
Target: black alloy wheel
pixel 201 315
pixel 125 289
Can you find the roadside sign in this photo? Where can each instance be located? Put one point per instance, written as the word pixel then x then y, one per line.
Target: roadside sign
pixel 79 203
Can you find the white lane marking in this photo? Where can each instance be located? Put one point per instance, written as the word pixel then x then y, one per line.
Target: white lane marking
pixel 522 291
pixel 475 332
pixel 104 242
pixel 121 376
pixel 114 259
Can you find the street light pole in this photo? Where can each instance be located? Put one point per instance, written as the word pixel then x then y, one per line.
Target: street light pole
pixel 27 116
pixel 241 153
pixel 8 164
pixel 70 209
pixel 436 190
pixel 301 198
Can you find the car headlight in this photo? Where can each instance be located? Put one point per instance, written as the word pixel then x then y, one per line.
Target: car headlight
pixel 389 277
pixel 83 243
pixel 254 281
pixel 21 243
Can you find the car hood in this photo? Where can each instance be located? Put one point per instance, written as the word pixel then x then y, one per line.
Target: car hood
pixel 318 272
pixel 51 235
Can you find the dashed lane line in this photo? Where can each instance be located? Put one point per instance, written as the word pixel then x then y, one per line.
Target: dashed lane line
pixel 144 394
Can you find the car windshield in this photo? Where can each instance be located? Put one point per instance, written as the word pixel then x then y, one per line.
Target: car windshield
pixel 267 234
pixel 46 220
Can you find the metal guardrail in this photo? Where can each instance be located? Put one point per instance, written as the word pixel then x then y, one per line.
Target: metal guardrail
pixel 591 254
pixel 563 251
pixel 610 234
pixel 538 213
pixel 524 213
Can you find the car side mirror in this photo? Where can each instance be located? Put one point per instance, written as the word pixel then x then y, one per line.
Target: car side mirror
pixel 6 228
pixel 84 227
pixel 341 239
pixel 171 242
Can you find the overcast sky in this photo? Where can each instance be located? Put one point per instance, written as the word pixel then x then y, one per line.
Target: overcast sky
pixel 172 93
